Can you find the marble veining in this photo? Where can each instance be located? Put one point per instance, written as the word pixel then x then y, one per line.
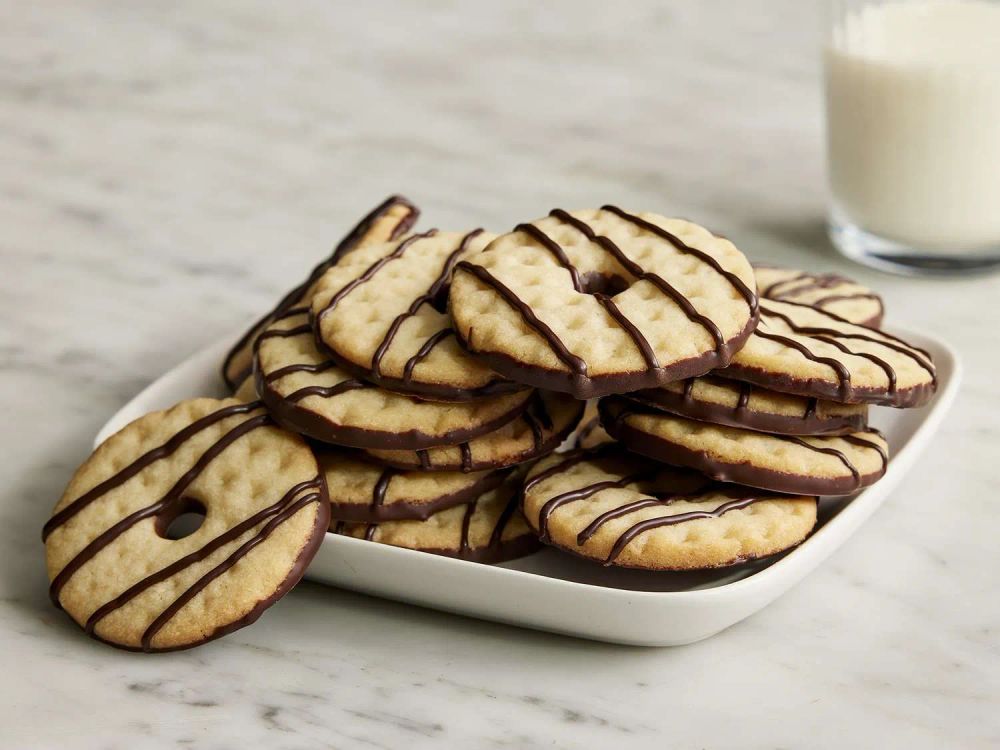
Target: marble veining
pixel 168 169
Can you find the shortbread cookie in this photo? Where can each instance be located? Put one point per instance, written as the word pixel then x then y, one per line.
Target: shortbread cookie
pixel 539 430
pixel 490 529
pixel 623 510
pixel 307 392
pixel 112 563
pixel 362 491
pixel 828 465
pixel 381 312
pixel 806 351
pixel 390 219
pixel 604 301
pixel 737 404
pixel 827 291
pixel 590 433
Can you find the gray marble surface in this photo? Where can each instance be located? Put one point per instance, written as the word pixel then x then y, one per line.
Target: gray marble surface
pixel 169 168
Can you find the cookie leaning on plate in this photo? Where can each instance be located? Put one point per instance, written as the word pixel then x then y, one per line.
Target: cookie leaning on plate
pixel 362 491
pixel 115 571
pixel 737 404
pixel 604 301
pixel 307 392
pixel 826 465
pixel 619 509
pixel 390 219
pixel 381 313
pixel 806 351
pixel 490 529
pixel 827 291
pixel 537 431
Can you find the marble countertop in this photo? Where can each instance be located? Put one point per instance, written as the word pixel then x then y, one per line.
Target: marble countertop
pixel 169 168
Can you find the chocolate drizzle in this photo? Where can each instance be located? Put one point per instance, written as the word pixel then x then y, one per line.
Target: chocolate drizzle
pixel 353 239
pixel 496 548
pixel 173 495
pixel 640 274
pixel 373 269
pixel 282 510
pixel 746 292
pixel 433 292
pixel 614 417
pixel 604 289
pixel 789 289
pixel 747 414
pixel 845 390
pixel 147 458
pixel 700 486
pixel 288 412
pixel 573 362
pixel 652 523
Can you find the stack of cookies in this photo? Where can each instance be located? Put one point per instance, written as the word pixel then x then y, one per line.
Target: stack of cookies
pixel 414 388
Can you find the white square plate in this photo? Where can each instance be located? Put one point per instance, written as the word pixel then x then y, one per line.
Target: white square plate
pixel 553 591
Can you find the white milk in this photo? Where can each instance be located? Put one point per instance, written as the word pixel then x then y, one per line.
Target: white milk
pixel 913 119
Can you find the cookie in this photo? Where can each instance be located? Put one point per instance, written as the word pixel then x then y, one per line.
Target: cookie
pixel 307 392
pixel 619 509
pixel 604 301
pixel 828 465
pixel 113 566
pixel 390 219
pixel 381 313
pixel 827 291
pixel 363 491
pixel 806 351
pixel 737 404
pixel 490 529
pixel 591 433
pixel 537 431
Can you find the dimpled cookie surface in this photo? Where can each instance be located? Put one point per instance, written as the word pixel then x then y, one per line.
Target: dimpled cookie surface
pixel 619 509
pixel 824 465
pixel 364 491
pixel 803 350
pixel 827 291
pixel 489 529
pixel 537 431
pixel 381 311
pixel 604 301
pixel 729 402
pixel 390 219
pixel 308 392
pixel 112 563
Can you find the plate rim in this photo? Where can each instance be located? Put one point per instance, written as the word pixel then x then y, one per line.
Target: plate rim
pixel 937 410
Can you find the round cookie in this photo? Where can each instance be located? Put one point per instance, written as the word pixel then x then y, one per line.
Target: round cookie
pixel 618 509
pixel 537 431
pixel 490 529
pixel 361 491
pixel 390 219
pixel 828 465
pixel 307 392
pixel 806 351
pixel 113 566
pixel 604 301
pixel 738 404
pixel 381 313
pixel 827 291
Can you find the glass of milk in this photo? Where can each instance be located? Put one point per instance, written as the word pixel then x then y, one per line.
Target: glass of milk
pixel 913 133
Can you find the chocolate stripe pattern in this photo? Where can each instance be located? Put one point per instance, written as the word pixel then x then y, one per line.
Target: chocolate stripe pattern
pixel 173 495
pixel 734 500
pixel 361 233
pixel 280 511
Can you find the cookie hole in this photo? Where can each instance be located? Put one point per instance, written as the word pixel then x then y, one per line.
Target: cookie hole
pixel 606 284
pixel 181 519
